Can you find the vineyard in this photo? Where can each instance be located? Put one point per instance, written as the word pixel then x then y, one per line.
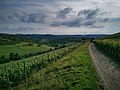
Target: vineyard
pixel 15 72
pixel 110 45
pixel 74 71
pixel 59 44
pixel 58 65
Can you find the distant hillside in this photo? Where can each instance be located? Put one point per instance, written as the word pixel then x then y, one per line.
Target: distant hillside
pixel 50 36
pixel 39 36
pixel 10 39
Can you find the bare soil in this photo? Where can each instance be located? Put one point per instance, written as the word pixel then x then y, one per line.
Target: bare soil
pixel 108 70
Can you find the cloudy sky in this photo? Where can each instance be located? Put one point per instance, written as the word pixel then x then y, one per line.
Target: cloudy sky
pixel 60 16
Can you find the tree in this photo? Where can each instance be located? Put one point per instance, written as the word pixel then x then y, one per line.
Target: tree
pixel 3 59
pixel 83 39
pixel 91 40
pixel 11 56
pixel 17 56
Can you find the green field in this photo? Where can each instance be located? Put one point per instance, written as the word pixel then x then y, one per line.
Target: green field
pixel 22 49
pixel 73 72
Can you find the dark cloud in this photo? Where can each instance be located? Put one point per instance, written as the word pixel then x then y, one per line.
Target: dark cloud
pixel 33 18
pixel 96 26
pixel 72 23
pixel 84 18
pixel 18 29
pixel 55 23
pixel 89 13
pixel 69 23
pixel 76 22
pixel 23 17
pixel 6 18
pixel 92 13
pixel 64 12
pixel 104 20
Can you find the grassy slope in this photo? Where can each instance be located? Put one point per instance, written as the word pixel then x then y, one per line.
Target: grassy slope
pixel 73 72
pixel 6 49
pixel 115 39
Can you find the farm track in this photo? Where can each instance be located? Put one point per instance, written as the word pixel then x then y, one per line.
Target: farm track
pixel 108 70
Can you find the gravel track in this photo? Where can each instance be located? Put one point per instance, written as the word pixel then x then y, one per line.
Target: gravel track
pixel 108 70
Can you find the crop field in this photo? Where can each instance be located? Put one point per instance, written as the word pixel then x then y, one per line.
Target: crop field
pixel 22 49
pixel 17 70
pixel 73 72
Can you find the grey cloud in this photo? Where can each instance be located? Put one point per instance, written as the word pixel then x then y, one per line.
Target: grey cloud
pixel 92 13
pixel 55 23
pixel 96 26
pixel 76 22
pixel 105 20
pixel 18 29
pixel 72 23
pixel 69 23
pixel 89 13
pixel 89 23
pixel 117 20
pixel 6 18
pixel 84 18
pixel 23 17
pixel 64 12
pixel 33 18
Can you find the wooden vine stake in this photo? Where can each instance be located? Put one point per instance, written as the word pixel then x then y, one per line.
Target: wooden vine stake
pixel 24 72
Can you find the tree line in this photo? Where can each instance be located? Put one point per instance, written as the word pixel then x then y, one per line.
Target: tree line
pixel 10 39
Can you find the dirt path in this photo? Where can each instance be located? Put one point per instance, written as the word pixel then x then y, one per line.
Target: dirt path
pixel 108 71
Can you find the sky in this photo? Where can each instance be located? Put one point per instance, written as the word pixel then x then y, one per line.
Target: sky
pixel 60 17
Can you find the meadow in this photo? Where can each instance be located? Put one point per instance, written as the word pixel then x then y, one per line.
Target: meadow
pixel 23 48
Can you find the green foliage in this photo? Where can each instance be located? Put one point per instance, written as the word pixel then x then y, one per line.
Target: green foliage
pixel 9 39
pixel 11 56
pixel 17 56
pixel 110 45
pixel 16 70
pixel 75 71
pixel 112 50
pixel 3 59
